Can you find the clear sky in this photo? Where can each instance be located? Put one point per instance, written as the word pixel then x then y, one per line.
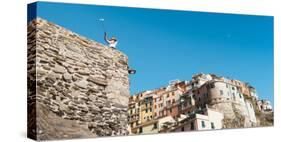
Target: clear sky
pixel 164 45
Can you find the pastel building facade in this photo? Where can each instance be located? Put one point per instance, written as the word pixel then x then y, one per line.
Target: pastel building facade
pixel 166 103
pixel 155 126
pixel 206 119
pixel 146 108
pixel 264 105
pixel 199 104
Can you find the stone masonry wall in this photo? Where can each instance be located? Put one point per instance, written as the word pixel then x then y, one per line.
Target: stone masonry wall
pixel 81 86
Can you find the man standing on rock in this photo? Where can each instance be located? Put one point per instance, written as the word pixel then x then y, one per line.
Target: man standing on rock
pixel 111 42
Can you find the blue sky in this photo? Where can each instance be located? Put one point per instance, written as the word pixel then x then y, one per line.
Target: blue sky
pixel 163 45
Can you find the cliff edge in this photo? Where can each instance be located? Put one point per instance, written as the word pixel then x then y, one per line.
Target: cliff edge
pixel 76 87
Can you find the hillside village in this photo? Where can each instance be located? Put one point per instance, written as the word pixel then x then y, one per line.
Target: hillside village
pixel 204 103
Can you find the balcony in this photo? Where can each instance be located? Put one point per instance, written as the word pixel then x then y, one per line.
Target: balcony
pixel 133 120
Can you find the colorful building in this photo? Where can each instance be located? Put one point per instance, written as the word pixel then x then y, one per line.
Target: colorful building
pixel 199 104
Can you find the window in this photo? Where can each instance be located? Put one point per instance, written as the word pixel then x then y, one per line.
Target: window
pixel 155 126
pixel 146 110
pixel 221 92
pixel 168 102
pixel 171 110
pixel 203 124
pixel 240 96
pixel 192 126
pixel 212 85
pixel 182 128
pixel 150 109
pixel 174 101
pixel 233 88
pixel 226 85
pixel 155 106
pixel 140 130
pixel 212 125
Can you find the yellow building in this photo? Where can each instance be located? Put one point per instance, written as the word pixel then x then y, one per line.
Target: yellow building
pixel 148 127
pixel 146 109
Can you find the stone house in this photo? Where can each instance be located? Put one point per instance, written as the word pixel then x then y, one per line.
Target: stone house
pixel 218 93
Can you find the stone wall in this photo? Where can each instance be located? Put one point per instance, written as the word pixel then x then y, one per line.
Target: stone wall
pixel 230 103
pixel 76 87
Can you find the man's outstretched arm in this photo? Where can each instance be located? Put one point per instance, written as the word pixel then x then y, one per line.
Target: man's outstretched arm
pixel 105 37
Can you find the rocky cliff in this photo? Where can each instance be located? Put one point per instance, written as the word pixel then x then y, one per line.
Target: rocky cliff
pixel 76 87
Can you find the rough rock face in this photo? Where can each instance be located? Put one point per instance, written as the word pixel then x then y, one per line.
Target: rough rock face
pixel 265 119
pixel 235 115
pixel 76 87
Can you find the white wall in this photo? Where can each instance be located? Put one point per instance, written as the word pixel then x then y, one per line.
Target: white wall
pixel 211 117
pixel 251 112
pixel 161 121
pixel 215 117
